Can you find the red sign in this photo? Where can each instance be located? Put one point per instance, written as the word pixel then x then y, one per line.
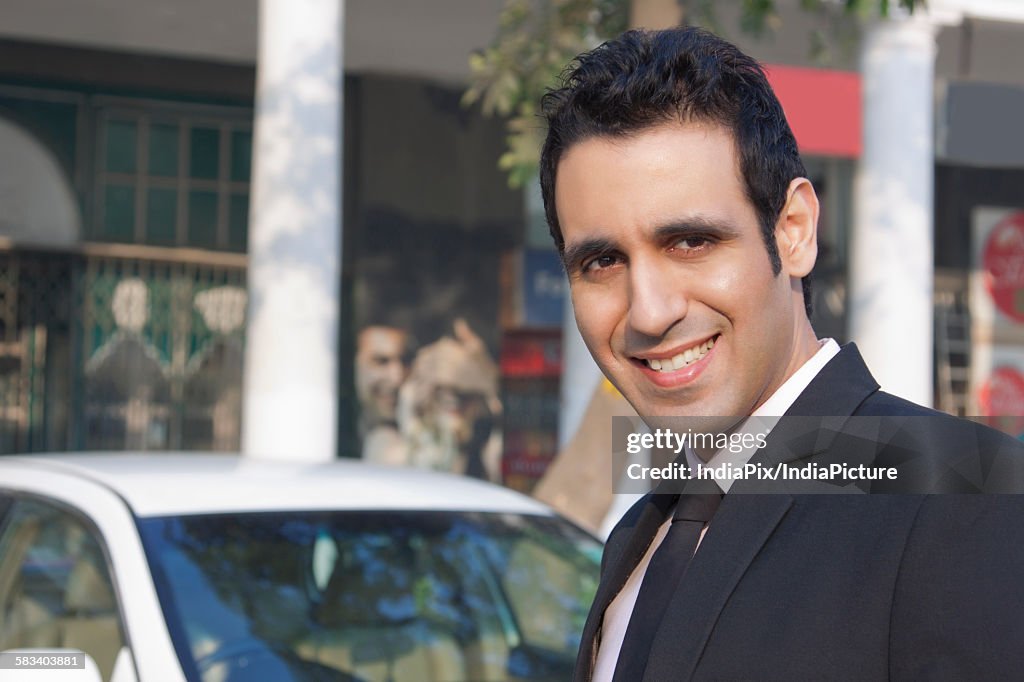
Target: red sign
pixel 1003 393
pixel 531 354
pixel 1002 400
pixel 1003 263
pixel 823 108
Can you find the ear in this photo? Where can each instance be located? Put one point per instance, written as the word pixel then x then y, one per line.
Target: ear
pixel 797 230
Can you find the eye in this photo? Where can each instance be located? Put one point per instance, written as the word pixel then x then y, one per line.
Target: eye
pixel 692 244
pixel 599 263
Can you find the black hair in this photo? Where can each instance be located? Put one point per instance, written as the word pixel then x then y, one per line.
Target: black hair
pixel 644 78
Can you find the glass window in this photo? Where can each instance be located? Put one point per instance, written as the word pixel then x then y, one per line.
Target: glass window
pixel 204 153
pixel 241 155
pixel 192 183
pixel 161 216
pixel 546 615
pixel 55 588
pixel 119 212
pixel 163 150
pixel 238 222
pixel 202 218
pixel 404 596
pixel 121 146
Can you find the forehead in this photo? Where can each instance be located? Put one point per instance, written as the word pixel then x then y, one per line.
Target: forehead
pixel 663 174
pixel 381 340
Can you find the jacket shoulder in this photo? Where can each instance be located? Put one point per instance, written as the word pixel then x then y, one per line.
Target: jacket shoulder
pixel 935 423
pixel 955 611
pixel 882 404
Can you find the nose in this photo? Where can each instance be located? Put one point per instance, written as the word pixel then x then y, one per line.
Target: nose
pixel 659 298
pixel 394 370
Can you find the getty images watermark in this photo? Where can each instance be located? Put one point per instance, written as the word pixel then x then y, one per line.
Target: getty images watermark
pixel 803 455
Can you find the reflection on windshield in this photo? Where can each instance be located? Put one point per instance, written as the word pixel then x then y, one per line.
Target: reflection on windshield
pixel 396 596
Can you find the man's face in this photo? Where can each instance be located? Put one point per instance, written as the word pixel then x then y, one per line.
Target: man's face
pixel 671 283
pixel 380 370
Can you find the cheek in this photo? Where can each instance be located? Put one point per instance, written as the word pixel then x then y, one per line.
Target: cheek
pixel 597 316
pixel 591 317
pixel 745 290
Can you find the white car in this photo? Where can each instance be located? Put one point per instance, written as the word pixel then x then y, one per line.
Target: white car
pixel 211 567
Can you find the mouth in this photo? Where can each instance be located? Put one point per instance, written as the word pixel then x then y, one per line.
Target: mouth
pixel 677 368
pixel 680 359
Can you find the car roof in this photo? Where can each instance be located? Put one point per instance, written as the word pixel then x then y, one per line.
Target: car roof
pixel 158 484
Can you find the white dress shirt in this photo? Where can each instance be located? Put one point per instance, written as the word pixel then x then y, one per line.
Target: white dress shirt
pixel 616 616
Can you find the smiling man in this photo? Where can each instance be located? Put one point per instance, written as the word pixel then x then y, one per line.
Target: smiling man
pixel 673 288
pixel 676 195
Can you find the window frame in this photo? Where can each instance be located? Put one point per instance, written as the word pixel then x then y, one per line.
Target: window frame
pixel 145 114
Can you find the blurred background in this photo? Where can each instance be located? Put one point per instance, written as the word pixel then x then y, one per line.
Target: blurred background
pixel 281 228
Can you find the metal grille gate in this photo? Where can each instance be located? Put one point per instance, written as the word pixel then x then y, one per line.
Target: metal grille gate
pixel 112 350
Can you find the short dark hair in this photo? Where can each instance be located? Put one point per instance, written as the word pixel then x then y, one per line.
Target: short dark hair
pixel 644 78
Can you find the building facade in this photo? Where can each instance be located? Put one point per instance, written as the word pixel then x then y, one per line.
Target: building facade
pixel 126 169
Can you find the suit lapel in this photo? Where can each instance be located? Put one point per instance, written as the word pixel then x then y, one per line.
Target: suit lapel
pixel 838 389
pixel 745 522
pixel 623 551
pixel 819 413
pixel 739 530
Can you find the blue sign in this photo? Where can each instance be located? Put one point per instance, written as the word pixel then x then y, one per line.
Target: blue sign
pixel 544 288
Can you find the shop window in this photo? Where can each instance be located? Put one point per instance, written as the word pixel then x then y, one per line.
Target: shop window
pixel 121 146
pixel 204 153
pixel 238 222
pixel 119 217
pixel 202 218
pixel 241 155
pixel 163 150
pixel 173 178
pixel 161 215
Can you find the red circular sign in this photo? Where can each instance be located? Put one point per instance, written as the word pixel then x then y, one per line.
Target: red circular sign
pixel 1003 393
pixel 1003 263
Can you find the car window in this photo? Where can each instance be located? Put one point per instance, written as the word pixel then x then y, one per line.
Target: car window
pixel 55 589
pixel 546 588
pixel 398 596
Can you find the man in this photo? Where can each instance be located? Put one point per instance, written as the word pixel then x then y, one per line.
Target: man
pixel 449 411
pixel 381 366
pixel 676 195
pixel 439 411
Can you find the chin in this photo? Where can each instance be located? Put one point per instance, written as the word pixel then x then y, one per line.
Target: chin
pixel 681 422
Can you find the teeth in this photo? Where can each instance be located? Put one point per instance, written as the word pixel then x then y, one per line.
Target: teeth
pixel 687 357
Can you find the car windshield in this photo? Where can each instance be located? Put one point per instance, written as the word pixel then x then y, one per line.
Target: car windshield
pixel 417 596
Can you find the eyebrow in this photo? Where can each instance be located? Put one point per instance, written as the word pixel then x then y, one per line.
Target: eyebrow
pixel 697 225
pixel 721 230
pixel 576 254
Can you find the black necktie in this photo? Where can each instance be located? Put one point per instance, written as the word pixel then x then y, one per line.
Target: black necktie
pixel 659 585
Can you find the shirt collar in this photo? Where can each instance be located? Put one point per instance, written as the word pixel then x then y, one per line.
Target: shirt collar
pixel 776 405
pixel 790 390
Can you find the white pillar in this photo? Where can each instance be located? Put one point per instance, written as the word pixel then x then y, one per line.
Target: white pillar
pixel 580 376
pixel 892 266
pixel 291 395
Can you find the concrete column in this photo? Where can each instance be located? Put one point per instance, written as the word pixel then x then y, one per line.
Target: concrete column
pixel 291 396
pixel 892 266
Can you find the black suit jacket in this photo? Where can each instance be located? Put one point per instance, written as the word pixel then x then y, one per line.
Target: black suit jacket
pixel 842 587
